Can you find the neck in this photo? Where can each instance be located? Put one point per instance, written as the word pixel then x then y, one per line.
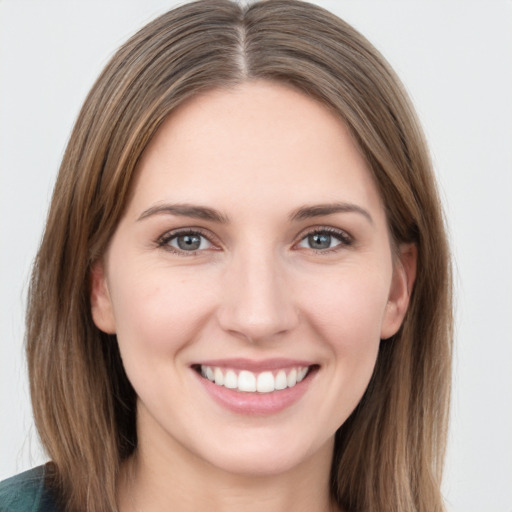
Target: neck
pixel 156 480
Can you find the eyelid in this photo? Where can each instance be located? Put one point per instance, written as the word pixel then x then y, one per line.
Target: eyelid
pixel 345 238
pixel 164 239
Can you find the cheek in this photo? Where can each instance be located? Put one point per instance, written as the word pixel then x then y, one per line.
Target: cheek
pixel 348 307
pixel 157 312
pixel 346 314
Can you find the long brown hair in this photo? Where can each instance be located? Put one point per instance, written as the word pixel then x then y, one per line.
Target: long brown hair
pixel 389 453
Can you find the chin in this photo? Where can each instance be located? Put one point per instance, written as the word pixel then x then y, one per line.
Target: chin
pixel 262 457
pixel 257 465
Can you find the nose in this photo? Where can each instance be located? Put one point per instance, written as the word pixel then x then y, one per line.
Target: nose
pixel 257 299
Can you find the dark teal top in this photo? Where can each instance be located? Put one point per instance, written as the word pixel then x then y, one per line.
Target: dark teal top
pixel 26 492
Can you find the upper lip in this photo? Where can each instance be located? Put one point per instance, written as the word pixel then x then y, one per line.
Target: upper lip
pixel 255 365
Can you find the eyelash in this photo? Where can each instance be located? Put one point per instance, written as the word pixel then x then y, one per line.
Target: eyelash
pixel 342 236
pixel 165 240
pixel 345 240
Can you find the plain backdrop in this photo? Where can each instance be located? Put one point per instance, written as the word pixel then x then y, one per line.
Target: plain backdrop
pixel 455 58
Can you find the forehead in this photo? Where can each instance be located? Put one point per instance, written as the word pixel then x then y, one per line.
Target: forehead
pixel 256 140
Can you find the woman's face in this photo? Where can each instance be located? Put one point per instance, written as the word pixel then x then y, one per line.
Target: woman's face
pixel 250 281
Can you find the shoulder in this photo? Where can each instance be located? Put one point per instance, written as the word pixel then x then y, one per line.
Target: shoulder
pixel 26 492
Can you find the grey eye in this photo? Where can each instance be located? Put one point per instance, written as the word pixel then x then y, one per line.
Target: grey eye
pixel 322 240
pixel 319 241
pixel 189 242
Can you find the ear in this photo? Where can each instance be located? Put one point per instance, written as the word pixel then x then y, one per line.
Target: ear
pixel 101 304
pixel 404 274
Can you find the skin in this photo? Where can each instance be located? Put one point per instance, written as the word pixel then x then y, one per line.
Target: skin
pixel 255 289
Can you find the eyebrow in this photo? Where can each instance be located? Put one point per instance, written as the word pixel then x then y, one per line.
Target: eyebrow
pixel 319 210
pixel 185 210
pixel 210 214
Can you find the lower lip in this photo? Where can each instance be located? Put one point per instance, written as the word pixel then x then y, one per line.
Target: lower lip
pixel 255 404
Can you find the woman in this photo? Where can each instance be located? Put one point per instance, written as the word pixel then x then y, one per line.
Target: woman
pixel 242 297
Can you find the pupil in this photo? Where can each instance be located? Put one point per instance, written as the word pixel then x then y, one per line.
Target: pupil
pixel 189 242
pixel 320 241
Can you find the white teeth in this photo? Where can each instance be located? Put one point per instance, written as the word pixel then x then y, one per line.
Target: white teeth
pixel 301 373
pixel 246 381
pixel 291 379
pixel 249 382
pixel 281 382
pixel 230 380
pixel 219 377
pixel 265 382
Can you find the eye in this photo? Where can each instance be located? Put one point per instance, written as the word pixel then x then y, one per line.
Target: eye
pixel 325 239
pixel 185 241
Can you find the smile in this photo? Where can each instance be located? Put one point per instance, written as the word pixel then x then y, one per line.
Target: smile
pixel 255 388
pixel 252 382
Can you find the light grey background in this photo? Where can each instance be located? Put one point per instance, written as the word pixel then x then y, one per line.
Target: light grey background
pixel 454 58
